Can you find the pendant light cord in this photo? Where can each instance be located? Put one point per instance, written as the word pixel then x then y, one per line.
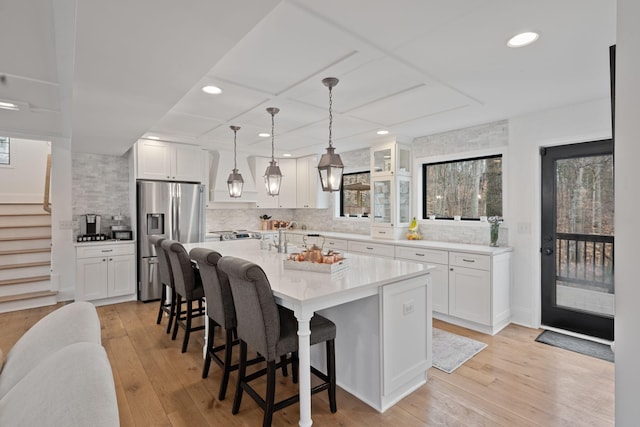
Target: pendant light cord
pixel 235 166
pixel 330 116
pixel 272 137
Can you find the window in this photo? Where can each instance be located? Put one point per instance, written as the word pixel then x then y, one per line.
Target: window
pixel 355 194
pixel 4 151
pixel 469 188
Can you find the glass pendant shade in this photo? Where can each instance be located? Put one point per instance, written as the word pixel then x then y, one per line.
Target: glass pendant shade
pixel 330 166
pixel 235 181
pixel 272 176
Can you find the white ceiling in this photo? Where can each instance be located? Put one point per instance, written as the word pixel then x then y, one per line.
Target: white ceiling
pixel 106 73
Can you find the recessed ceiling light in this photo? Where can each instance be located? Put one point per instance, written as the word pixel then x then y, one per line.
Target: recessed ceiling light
pixel 523 39
pixel 286 155
pixel 264 135
pixel 153 137
pixel 382 132
pixel 9 106
pixel 212 90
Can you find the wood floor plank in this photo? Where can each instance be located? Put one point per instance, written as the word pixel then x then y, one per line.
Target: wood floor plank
pixel 515 381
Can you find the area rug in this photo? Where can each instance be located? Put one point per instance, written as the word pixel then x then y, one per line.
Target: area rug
pixel 450 351
pixel 579 345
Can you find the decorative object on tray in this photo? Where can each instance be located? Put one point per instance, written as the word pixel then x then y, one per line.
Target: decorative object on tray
pixel 313 258
pixel 494 222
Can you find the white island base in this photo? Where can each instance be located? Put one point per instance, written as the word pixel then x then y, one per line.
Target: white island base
pixel 382 350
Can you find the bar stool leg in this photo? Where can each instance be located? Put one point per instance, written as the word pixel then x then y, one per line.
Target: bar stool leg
pixel 242 370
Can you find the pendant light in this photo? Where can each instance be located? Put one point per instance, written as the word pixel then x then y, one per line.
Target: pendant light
pixel 330 166
pixel 272 176
pixel 235 181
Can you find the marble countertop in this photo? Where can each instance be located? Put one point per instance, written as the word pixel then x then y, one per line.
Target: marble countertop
pixel 426 244
pixel 364 275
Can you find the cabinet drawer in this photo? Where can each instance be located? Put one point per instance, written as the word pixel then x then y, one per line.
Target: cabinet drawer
pixel 335 244
pixel 104 250
pixel 463 259
pixel 382 233
pixel 376 249
pixel 423 255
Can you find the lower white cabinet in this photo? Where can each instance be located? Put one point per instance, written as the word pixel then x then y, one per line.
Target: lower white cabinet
pixel 470 294
pixel 376 249
pixel 105 270
pixel 468 289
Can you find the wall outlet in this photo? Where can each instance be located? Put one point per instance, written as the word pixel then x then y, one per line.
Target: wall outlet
pixel 524 228
pixel 407 307
pixel 66 225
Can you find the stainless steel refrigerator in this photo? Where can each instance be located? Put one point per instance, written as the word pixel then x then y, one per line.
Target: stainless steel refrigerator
pixel 174 210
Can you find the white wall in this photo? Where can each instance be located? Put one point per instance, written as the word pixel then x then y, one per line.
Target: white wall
pixel 627 156
pixel 63 266
pixel 26 173
pixel 577 123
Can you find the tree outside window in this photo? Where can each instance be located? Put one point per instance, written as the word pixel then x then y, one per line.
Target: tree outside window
pixel 469 188
pixel 355 194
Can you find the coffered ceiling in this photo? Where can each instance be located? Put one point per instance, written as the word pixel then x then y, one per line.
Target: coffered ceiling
pixel 108 73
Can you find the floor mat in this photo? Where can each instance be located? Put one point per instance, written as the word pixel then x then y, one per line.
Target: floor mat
pixel 451 350
pixel 579 345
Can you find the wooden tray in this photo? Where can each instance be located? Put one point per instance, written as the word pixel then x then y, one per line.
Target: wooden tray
pixel 317 267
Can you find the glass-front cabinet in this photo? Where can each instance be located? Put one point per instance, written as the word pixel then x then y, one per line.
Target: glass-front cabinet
pixel 391 158
pixel 391 185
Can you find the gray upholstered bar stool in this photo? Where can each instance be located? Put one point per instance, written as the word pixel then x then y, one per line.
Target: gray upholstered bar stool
pixel 188 288
pixel 220 311
pixel 272 331
pixel 167 300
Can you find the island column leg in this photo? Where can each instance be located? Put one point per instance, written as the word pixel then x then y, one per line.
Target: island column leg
pixel 304 355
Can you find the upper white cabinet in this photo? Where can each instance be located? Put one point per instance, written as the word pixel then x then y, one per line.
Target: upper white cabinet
pixel 288 187
pixel 391 190
pixel 166 161
pixel 309 189
pixel 392 158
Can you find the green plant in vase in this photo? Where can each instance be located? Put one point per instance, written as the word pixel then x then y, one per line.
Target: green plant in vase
pixel 494 229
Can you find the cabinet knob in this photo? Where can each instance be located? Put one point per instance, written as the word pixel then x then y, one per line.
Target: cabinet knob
pixel 451 269
pixel 104 259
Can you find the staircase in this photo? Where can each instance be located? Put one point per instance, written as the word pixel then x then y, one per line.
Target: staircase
pixel 25 257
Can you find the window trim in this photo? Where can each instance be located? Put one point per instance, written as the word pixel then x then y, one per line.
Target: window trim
pixel 460 156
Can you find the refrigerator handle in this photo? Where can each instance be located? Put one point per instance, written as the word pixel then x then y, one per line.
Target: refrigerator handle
pixel 176 215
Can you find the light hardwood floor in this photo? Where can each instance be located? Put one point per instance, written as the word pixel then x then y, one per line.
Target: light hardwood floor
pixel 515 381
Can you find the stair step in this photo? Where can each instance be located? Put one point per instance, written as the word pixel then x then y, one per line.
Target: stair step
pixel 24 232
pixel 25 265
pixel 27 295
pixel 22 220
pixel 25 251
pixel 24 280
pixel 12 239
pixel 22 209
pixel 19 245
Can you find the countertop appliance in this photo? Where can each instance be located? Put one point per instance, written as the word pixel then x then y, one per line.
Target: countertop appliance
pixel 233 235
pixel 174 210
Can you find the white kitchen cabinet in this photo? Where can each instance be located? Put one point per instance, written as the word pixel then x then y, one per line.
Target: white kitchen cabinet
pixel 105 271
pixel 375 249
pixel 288 186
pixel 470 294
pixel 166 161
pixel 309 189
pixel 391 190
pixel 439 260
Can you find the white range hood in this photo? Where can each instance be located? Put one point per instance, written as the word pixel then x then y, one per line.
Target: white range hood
pixel 221 165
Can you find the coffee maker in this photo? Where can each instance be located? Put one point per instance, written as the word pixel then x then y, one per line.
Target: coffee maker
pixel 90 225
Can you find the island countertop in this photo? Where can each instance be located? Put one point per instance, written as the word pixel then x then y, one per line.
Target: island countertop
pixel 362 277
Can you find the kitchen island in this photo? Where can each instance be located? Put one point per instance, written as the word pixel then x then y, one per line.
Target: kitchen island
pixel 382 310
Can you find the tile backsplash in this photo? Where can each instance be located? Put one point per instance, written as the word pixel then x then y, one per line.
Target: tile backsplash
pixel 100 185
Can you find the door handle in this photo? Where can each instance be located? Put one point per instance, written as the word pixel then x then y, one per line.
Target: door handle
pixel 547 251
